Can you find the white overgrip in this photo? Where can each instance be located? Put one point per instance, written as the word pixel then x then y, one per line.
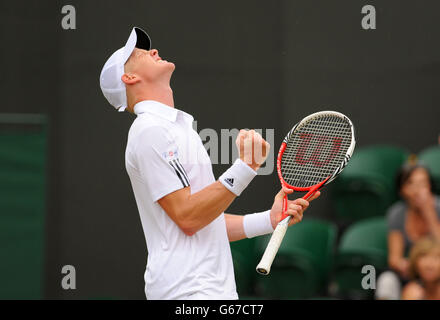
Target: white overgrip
pixel 272 247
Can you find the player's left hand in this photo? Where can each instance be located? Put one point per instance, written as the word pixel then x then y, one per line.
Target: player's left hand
pixel 295 208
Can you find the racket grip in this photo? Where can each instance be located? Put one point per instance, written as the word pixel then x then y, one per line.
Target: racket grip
pixel 272 247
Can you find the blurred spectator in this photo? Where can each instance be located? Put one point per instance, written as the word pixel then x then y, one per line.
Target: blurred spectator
pixel 424 269
pixel 416 216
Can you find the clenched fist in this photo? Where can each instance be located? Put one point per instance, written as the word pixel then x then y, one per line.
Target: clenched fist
pixel 252 148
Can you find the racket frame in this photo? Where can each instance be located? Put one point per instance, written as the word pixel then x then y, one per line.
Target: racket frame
pixel 274 243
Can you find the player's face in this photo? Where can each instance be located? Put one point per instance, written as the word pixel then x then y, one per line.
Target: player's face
pixel 148 65
pixel 428 266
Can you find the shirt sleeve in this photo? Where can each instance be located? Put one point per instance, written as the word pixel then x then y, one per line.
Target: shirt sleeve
pixel 396 217
pixel 157 160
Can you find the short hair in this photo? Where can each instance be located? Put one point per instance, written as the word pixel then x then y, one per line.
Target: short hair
pixel 419 249
pixel 407 170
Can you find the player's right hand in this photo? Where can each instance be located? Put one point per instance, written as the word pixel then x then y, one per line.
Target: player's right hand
pixel 295 208
pixel 252 148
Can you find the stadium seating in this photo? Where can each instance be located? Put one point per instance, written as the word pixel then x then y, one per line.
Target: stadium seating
pixel 302 265
pixel 363 243
pixel 366 188
pixel 23 153
pixel 431 158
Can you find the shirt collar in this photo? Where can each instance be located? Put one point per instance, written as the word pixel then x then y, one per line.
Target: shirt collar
pixel 161 110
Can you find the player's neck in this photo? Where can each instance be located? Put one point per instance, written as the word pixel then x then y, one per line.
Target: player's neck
pixel 159 93
pixel 162 94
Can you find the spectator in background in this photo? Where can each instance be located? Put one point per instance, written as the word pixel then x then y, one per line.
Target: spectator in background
pixel 409 220
pixel 424 269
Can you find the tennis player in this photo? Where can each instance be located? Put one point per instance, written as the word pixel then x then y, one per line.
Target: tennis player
pixel 180 203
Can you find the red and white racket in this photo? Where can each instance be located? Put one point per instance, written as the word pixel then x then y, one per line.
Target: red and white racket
pixel 312 155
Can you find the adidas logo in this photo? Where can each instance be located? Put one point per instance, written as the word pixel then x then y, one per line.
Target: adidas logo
pixel 230 181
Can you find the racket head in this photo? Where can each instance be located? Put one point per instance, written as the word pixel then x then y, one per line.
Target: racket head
pixel 316 150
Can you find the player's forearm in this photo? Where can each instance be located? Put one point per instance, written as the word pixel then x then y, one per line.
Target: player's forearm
pixel 234 227
pixel 192 212
pixel 203 207
pixel 206 205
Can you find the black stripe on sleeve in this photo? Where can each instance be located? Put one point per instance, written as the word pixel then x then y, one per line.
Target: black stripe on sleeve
pixel 182 170
pixel 178 174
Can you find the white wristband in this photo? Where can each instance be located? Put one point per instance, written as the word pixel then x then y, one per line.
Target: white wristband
pixel 237 177
pixel 257 224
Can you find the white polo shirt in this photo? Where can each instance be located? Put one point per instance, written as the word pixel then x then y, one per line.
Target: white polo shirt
pixel 165 154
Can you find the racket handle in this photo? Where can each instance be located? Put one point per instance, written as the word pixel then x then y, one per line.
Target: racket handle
pixel 272 248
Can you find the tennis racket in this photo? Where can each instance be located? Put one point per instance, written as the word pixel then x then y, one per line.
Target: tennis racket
pixel 312 155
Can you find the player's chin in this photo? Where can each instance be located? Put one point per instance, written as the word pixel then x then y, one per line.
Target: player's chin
pixel 170 65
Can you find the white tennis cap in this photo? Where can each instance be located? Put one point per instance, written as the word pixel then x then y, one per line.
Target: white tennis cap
pixel 110 80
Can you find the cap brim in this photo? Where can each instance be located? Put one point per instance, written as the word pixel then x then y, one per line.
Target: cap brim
pixel 143 40
pixel 138 39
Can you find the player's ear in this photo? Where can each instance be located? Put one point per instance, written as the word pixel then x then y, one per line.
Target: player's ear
pixel 130 78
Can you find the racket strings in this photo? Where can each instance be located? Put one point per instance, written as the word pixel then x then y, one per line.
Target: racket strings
pixel 315 150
